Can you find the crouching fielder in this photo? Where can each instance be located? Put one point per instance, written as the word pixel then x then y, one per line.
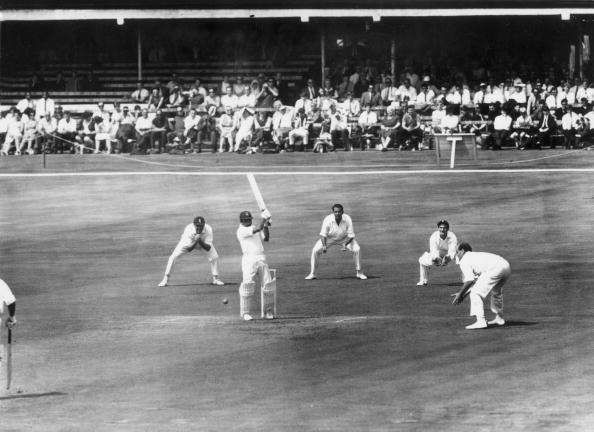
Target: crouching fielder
pixel 442 249
pixel 337 228
pixel 198 233
pixel 7 300
pixel 483 273
pixel 253 262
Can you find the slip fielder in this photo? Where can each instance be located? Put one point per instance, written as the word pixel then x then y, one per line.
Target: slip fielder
pixel 442 249
pixel 197 234
pixel 253 262
pixel 482 273
pixel 337 229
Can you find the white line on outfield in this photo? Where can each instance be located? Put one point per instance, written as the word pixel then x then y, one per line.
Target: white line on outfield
pixel 302 173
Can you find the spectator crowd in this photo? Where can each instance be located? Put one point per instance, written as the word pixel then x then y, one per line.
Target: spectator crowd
pixel 352 108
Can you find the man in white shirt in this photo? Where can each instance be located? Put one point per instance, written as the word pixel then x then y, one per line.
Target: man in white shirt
pixel 140 95
pixel 200 234
pixel 245 129
pixel 66 132
pixel 25 103
pixel 46 128
pixel 482 273
pixel 229 99
pixel 570 123
pixel 253 262
pixel 337 229
pixel 44 106
pixel 501 129
pixel 143 127
pixel 369 126
pixel 443 246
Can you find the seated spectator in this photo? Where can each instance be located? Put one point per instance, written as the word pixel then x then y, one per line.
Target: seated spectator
pixel 159 132
pixel 247 100
pixel 67 127
pixel 437 116
pixel 390 93
pixel 501 130
pixel 350 107
pixel 282 123
pixel 454 97
pixel 551 98
pixel 103 133
pixel 25 103
pixel 411 133
pixel 156 100
pixel 245 130
pixel 523 130
pixel 224 84
pixel 173 82
pixel 339 129
pixel 300 129
pixel 570 124
pixel 191 131
pixel 15 129
pixel 85 136
pixel 29 132
pixel 425 98
pixel 100 111
pixel 479 96
pixel 194 98
pixel 450 122
pixel 262 131
pixel 324 141
pixel 200 88
pixel 126 134
pixel 176 98
pixel 239 87
pixel 370 97
pixel 304 103
pixel 268 94
pixel 3 126
pixel 229 99
pixel 205 130
pixel 390 125
pixel 406 90
pixel 47 128
pixel 587 137
pixel 178 129
pixel 226 130
pixel 471 121
pixel 324 102
pixel 311 90
pixel 546 128
pixel 343 88
pixel 368 126
pixel 140 95
pixel 329 89
pixel 212 100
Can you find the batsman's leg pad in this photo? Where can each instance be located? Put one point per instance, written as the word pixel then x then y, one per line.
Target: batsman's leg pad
pixel 426 260
pixel 246 292
pixel 268 300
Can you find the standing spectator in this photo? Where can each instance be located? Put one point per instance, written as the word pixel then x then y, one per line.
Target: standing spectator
pixel 44 106
pixel 25 103
pixel 140 95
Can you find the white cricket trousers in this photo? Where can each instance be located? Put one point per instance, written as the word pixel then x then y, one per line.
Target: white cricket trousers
pixel 212 255
pixel 252 265
pixel 489 282
pixel 352 247
pixel 426 261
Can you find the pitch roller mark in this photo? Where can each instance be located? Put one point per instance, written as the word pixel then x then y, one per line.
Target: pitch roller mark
pixel 299 173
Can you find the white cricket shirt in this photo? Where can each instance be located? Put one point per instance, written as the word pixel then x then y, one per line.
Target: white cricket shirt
pixel 251 243
pixel 474 264
pixel 439 247
pixel 6 296
pixel 337 232
pixel 190 236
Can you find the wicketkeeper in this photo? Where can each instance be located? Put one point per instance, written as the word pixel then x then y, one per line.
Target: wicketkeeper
pixel 442 250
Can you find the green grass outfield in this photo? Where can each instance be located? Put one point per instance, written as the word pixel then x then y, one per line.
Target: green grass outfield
pixel 100 348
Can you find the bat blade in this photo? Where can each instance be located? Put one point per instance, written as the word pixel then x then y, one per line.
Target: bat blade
pixel 256 192
pixel 9 359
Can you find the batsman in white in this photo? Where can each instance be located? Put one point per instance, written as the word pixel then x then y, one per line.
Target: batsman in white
pixel 442 249
pixel 337 229
pixel 482 273
pixel 198 233
pixel 253 262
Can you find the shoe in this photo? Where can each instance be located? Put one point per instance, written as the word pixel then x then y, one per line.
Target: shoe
pixel 163 282
pixel 247 317
pixel 422 283
pixel 217 281
pixel 479 324
pixel 310 276
pixel 269 315
pixel 361 276
pixel 498 320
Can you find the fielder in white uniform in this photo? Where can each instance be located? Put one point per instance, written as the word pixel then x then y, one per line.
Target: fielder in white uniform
pixel 443 246
pixel 337 229
pixel 482 273
pixel 8 301
pixel 253 262
pixel 198 233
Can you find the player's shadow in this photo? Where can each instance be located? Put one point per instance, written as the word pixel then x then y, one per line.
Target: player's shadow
pixel 32 395
pixel 519 323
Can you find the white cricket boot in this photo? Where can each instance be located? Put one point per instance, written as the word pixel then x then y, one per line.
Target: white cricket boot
pixel 498 320
pixel 422 283
pixel 217 281
pixel 164 281
pixel 247 317
pixel 361 276
pixel 479 324
pixel 310 276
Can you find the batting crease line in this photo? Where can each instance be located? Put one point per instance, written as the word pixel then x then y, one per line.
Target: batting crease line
pixel 301 173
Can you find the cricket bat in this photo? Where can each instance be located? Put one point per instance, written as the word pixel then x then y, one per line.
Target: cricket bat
pixel 257 193
pixel 8 359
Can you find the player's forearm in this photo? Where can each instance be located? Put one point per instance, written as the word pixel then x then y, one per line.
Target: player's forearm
pixel 11 309
pixel 349 240
pixel 204 245
pixel 465 287
pixel 323 240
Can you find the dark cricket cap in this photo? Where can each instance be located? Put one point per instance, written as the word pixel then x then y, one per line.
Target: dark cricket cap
pixel 443 222
pixel 245 215
pixel 199 220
